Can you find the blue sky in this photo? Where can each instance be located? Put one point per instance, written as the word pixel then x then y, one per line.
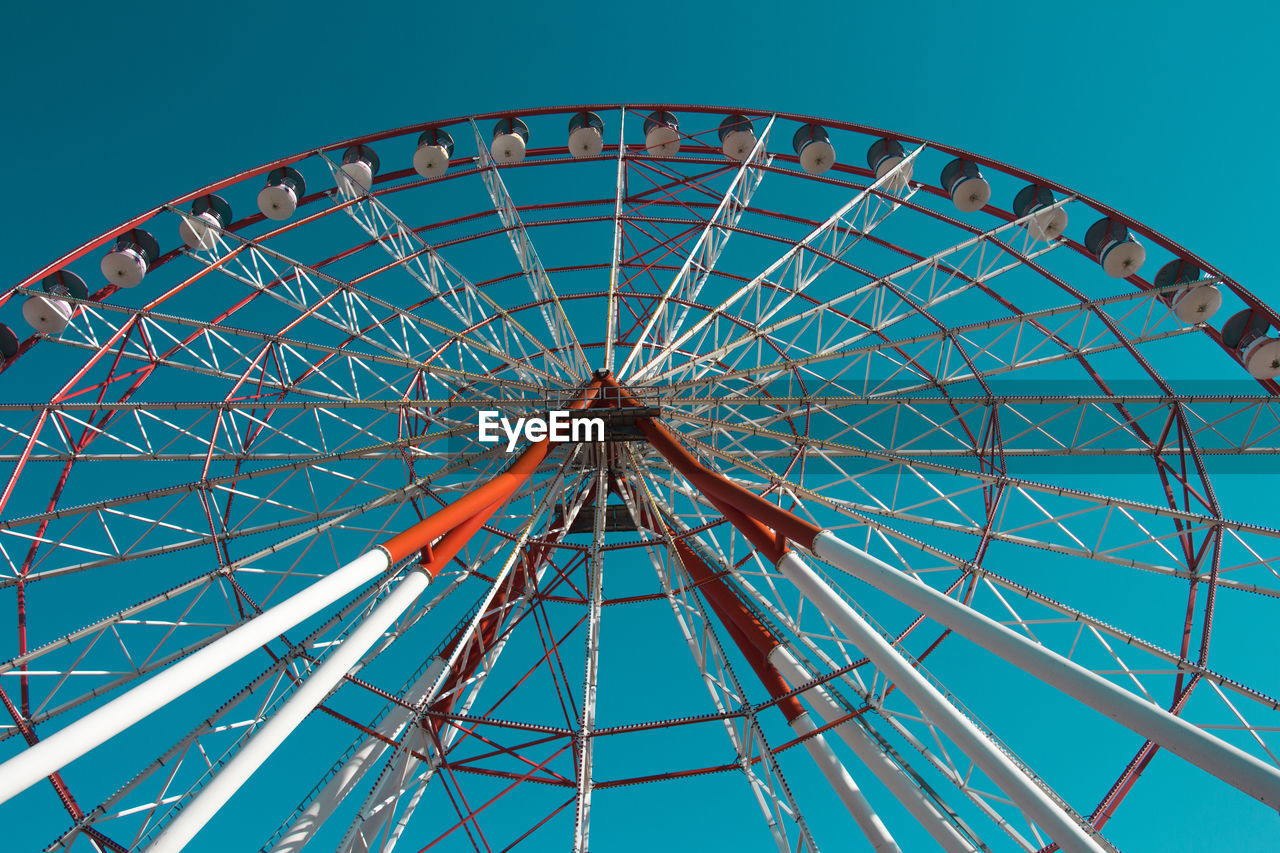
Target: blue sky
pixel 1162 110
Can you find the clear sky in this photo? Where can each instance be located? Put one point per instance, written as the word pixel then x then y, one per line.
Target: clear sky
pixel 1165 111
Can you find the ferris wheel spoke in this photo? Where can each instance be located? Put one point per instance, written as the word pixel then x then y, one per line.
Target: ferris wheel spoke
pixel 315 293
pixel 615 259
pixel 1063 521
pixel 804 261
pixel 342 307
pixel 925 282
pixel 921 798
pixel 1212 754
pixel 902 375
pixel 921 463
pixel 466 302
pixel 701 259
pixel 123 711
pixel 287 366
pixel 287 471
pixel 110 535
pixel 540 285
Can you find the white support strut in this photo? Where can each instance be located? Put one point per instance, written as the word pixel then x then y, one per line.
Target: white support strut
pixel 313 690
pixel 1230 764
pixel 319 810
pixel 844 786
pixel 64 746
pixel 1033 800
pixel 870 753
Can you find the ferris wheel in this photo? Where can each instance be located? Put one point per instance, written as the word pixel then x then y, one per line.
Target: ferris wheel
pixel 911 518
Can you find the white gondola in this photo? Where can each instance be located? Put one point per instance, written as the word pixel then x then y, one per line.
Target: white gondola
pixel 510 140
pixel 359 165
pixel 127 263
pixel 814 148
pixel 1198 301
pixel 1246 334
pixel 50 312
pixel 1046 222
pixel 431 158
pixel 882 157
pixel 661 134
pixel 8 342
pixel 199 229
pixel 586 135
pixel 1114 247
pixel 963 181
pixel 1262 358
pixel 737 137
pixel 279 198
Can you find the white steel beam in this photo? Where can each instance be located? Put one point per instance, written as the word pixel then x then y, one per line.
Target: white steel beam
pixel 1230 764
pixel 313 690
pixel 615 267
pixel 870 753
pixel 1032 799
pixel 51 754
pixel 349 775
pixel 844 786
pixel 535 273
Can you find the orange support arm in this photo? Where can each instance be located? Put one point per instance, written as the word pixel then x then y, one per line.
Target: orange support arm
pixel 492 493
pixel 750 513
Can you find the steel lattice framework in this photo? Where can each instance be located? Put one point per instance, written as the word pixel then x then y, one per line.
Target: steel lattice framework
pixel 883 481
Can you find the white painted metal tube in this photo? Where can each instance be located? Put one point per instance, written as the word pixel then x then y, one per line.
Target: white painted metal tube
pixel 376 808
pixel 310 693
pixel 890 774
pixel 1212 754
pixel 844 786
pixel 1003 772
pixel 51 754
pixel 304 826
